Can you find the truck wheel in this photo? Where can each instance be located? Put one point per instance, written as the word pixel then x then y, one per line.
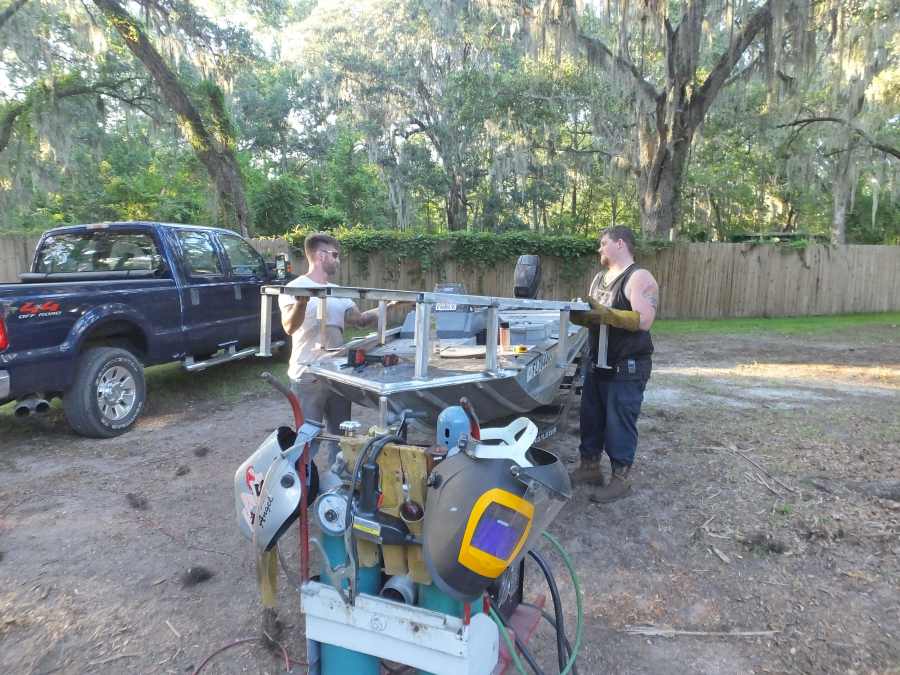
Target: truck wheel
pixel 108 393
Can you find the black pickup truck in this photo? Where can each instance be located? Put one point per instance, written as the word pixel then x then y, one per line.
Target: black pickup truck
pixel 103 301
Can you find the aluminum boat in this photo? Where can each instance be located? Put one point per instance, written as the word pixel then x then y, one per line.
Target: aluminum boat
pixel 452 345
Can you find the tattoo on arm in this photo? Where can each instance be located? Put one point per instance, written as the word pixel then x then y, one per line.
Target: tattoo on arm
pixel 651 295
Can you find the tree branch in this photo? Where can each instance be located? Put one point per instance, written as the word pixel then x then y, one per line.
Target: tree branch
pixel 703 98
pixel 887 149
pixel 598 52
pixel 212 144
pixel 58 90
pixel 7 13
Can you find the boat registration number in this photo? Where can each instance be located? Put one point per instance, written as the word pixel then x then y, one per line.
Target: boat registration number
pixel 537 366
pixel 444 307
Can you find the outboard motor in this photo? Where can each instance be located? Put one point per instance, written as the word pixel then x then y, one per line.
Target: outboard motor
pixel 528 276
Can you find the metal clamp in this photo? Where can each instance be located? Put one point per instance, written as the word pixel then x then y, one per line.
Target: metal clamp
pixel 337 574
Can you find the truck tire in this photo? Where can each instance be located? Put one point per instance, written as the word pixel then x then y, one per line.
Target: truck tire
pixel 108 393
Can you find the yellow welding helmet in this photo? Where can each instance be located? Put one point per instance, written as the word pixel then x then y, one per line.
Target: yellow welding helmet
pixel 481 517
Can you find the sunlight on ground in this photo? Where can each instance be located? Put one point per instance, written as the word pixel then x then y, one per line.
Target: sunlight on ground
pixel 800 373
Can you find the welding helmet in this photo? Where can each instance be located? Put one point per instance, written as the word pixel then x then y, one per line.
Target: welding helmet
pixel 248 479
pixel 252 494
pixel 482 515
pixel 279 501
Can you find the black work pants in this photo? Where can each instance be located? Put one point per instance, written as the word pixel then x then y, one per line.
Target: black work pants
pixel 610 406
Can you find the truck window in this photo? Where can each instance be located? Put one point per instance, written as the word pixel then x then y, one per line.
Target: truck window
pixel 200 257
pixel 244 260
pixel 98 251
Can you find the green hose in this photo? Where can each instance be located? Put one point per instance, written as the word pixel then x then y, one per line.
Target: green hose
pixel 510 647
pixel 579 626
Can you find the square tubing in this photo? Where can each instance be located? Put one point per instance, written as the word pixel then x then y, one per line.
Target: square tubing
pixel 321 315
pixel 602 340
pixel 490 349
pixel 382 321
pixel 562 345
pixel 422 338
pixel 265 326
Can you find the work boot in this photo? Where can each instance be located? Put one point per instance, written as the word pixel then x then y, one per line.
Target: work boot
pixel 588 473
pixel 619 485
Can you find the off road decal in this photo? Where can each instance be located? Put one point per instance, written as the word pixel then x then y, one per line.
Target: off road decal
pixel 43 310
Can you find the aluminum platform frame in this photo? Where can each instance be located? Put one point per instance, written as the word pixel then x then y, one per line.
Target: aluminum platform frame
pixel 422 379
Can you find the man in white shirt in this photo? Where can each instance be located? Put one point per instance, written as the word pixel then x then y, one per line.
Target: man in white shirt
pixel 298 317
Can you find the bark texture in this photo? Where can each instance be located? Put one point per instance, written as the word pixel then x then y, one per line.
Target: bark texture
pixel 668 117
pixel 216 153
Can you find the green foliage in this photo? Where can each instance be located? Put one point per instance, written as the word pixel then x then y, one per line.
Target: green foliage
pixel 474 249
pixel 789 325
pixel 884 228
pixel 401 112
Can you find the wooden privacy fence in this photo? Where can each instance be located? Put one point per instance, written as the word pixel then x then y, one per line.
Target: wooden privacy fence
pixel 15 256
pixel 696 280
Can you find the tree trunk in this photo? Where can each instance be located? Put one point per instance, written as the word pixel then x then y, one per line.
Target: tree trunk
pixel 667 118
pixel 842 188
pixel 218 157
pixel 8 13
pixel 661 169
pixel 398 198
pixel 457 211
pixel 574 199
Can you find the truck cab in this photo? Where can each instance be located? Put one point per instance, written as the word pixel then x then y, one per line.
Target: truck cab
pixel 103 301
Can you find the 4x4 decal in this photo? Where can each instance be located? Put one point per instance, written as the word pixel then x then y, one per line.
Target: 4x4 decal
pixel 30 309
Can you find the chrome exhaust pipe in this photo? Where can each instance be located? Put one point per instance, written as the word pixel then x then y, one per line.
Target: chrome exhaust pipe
pixel 25 406
pixel 41 406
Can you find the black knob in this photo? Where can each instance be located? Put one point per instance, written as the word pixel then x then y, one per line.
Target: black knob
pixel 287 480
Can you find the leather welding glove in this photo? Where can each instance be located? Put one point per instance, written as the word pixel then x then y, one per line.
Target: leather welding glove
pixel 617 318
pixel 588 319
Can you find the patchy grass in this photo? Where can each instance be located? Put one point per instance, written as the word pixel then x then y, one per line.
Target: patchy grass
pixel 791 325
pixel 170 386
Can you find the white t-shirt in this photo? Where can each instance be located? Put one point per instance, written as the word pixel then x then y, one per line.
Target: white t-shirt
pixel 305 342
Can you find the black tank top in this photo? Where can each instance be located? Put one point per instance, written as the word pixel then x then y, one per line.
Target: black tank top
pixel 622 344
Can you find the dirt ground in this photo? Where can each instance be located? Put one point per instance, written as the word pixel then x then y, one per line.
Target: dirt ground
pixel 767 499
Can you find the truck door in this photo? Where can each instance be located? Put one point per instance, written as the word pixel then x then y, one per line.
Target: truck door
pixel 208 297
pixel 247 272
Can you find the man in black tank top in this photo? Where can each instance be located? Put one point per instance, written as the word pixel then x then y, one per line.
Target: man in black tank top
pixel 623 301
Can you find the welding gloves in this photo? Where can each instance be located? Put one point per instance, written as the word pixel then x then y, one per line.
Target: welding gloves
pixel 601 314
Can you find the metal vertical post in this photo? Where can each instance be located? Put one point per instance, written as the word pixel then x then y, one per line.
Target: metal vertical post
pixel 265 326
pixel 423 338
pixel 490 346
pixel 382 321
pixel 562 345
pixel 321 316
pixel 383 412
pixel 602 340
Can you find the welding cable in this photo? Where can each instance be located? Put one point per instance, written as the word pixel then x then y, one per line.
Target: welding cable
pixel 579 606
pixel 289 395
pixel 235 643
pixel 557 607
pixel 548 617
pixel 373 447
pixel 510 647
pixel 526 653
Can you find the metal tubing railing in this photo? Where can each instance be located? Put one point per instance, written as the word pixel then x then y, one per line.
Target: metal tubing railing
pixel 265 326
pixel 490 344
